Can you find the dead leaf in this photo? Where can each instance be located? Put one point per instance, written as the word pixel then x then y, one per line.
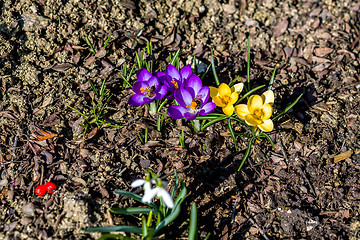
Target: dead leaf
pixel 280 28
pixel 62 67
pixel 41 135
pixel 323 51
pixel 92 133
pixel 90 60
pixel 101 53
pixel 76 58
pixel 343 156
pixel 80 180
pixel 103 191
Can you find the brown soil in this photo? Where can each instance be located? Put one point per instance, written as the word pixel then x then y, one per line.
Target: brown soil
pixel 296 192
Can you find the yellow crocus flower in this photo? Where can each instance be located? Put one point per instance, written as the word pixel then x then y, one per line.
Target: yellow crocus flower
pixel 226 97
pixel 257 111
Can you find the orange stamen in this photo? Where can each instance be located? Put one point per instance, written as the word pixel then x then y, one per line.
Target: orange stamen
pixel 175 83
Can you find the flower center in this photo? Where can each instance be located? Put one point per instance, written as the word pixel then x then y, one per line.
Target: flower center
pixel 195 104
pixel 176 85
pixel 259 114
pixel 149 91
pixel 225 99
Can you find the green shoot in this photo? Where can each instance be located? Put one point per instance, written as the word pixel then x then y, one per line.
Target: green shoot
pixel 182 139
pixel 216 78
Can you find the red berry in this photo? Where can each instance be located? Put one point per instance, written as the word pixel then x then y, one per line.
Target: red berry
pixel 50 187
pixel 40 190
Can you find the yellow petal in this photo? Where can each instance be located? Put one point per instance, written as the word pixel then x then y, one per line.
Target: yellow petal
pixel 267 126
pixel 268 97
pixel 218 102
pixel 224 90
pixel 252 121
pixel 237 87
pixel 234 98
pixel 213 92
pixel 228 110
pixel 267 110
pixel 241 110
pixel 254 103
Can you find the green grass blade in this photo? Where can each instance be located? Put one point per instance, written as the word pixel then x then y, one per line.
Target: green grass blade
pixel 102 88
pixel 133 210
pixel 93 87
pixel 248 66
pixel 128 229
pixel 233 81
pixel 91 46
pixel 232 133
pixel 207 70
pixel 272 78
pixel 249 93
pixel 173 59
pixel 83 115
pixel 269 139
pixel 246 153
pixel 214 121
pixel 171 217
pixel 287 108
pixel 115 236
pixel 216 78
pixel 107 40
pixel 193 222
pixel 138 60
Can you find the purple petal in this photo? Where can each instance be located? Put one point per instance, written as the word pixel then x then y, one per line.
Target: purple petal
pixel 161 92
pixel 203 94
pixel 170 86
pixel 137 100
pixel 193 84
pixel 183 97
pixel 185 72
pixel 138 85
pixel 161 76
pixel 190 116
pixel 172 72
pixel 143 75
pixel 207 108
pixel 153 82
pixel 176 111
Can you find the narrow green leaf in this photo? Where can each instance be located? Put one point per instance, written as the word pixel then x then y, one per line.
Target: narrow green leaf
pixel 207 70
pixel 93 87
pixel 102 88
pixel 233 81
pixel 269 139
pixel 232 133
pixel 115 236
pixel 182 195
pixel 193 222
pixel 91 46
pixel 287 108
pixel 249 93
pixel 272 78
pixel 107 40
pixel 246 153
pixel 133 210
pixel 214 121
pixel 216 78
pixel 173 59
pixel 171 217
pixel 248 65
pixel 129 229
pixel 146 135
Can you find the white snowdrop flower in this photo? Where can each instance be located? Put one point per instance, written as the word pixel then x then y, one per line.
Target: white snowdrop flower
pixel 159 192
pixel 141 182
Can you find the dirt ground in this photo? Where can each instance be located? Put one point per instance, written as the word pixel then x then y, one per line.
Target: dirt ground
pixel 303 190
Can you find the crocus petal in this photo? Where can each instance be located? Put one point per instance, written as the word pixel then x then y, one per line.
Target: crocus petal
pixel 252 121
pixel 162 193
pixel 203 94
pixel 185 72
pixel 143 75
pixel 138 86
pixel 149 195
pixel 267 126
pixel 268 97
pixel 190 116
pixel 267 109
pixel 224 90
pixel 172 72
pixel 234 98
pixel 137 100
pixel 193 84
pixel 161 76
pixel 183 97
pixel 161 92
pixel 213 92
pixel 137 183
pixel 219 102
pixel 241 110
pixel 176 111
pixel 254 103
pixel 229 109
pixel 153 81
pixel 207 108
pixel 237 87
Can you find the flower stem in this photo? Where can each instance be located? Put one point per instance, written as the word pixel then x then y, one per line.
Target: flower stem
pixel 153 108
pixel 197 125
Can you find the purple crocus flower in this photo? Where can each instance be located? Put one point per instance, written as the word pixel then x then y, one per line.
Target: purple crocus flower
pixel 192 99
pixel 147 89
pixel 175 79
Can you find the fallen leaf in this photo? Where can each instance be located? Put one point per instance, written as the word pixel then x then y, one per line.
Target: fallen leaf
pixel 103 191
pixel 280 28
pixel 343 156
pixel 62 67
pixel 41 135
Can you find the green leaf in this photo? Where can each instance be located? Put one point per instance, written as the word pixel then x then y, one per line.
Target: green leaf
pixel 272 78
pixel 287 108
pixel 207 70
pixel 182 195
pixel 248 66
pixel 232 133
pixel 214 121
pixel 116 236
pixel 135 197
pixel 133 210
pixel 173 59
pixel 129 229
pixel 233 81
pixel 216 78
pixel 171 217
pixel 246 153
pixel 107 40
pixel 193 222
pixel 269 139
pixel 249 93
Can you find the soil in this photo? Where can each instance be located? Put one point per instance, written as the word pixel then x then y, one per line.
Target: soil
pixel 303 190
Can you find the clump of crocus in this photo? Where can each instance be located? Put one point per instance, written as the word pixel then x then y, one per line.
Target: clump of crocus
pixel 226 97
pixel 175 79
pixel 192 99
pixel 147 89
pixel 257 111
